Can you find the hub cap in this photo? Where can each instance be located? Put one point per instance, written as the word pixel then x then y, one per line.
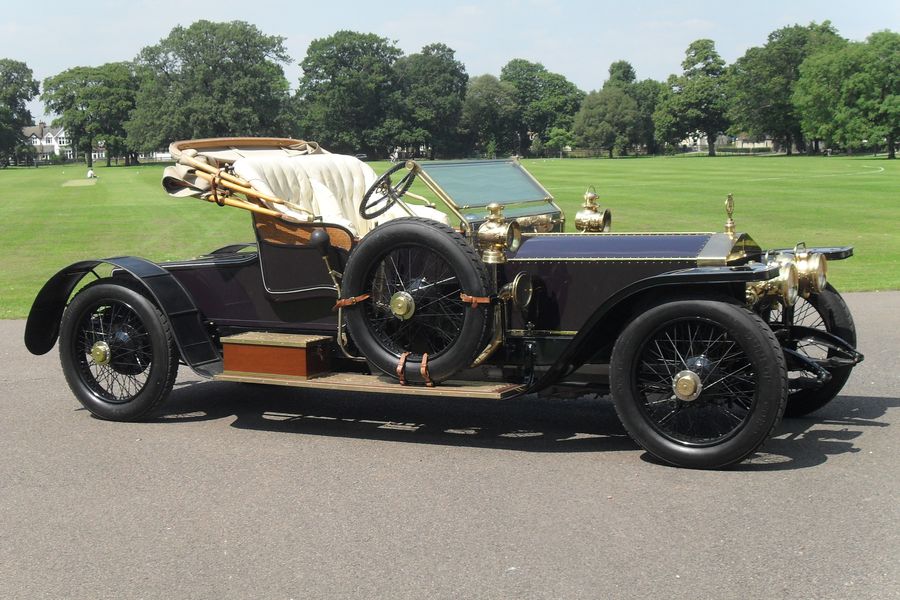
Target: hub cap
pixel 402 305
pixel 687 386
pixel 100 353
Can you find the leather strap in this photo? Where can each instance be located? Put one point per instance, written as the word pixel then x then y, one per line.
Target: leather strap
pixel 401 368
pixel 214 187
pixel 345 302
pixel 474 300
pixel 423 370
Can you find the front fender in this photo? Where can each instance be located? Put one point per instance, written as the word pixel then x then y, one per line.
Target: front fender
pixel 585 342
pixel 196 348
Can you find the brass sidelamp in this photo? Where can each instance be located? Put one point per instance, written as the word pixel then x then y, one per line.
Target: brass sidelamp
pixel 496 236
pixel 590 219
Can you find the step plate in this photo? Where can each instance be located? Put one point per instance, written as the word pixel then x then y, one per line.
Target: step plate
pixel 380 384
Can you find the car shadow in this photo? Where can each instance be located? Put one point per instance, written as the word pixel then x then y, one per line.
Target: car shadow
pixel 534 423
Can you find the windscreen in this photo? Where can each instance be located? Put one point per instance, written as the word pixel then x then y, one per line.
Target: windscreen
pixel 478 183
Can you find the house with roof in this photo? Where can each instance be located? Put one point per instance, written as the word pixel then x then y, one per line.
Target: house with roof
pixel 48 140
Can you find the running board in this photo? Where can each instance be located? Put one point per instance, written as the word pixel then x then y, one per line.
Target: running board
pixel 381 384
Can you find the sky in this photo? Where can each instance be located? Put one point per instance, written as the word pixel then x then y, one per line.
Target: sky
pixel 576 38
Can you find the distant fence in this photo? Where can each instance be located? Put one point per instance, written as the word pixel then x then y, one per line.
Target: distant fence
pixel 738 150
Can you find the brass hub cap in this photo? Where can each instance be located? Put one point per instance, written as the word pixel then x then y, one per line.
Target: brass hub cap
pixel 100 353
pixel 402 305
pixel 687 386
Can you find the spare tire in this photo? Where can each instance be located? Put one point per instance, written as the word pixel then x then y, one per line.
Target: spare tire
pixel 413 272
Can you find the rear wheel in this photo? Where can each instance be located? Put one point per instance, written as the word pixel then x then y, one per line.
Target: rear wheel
pixel 826 311
pixel 698 384
pixel 117 352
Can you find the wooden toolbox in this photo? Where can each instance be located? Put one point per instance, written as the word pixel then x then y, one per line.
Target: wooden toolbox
pixel 286 355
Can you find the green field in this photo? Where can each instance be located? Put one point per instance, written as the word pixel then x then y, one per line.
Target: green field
pixel 47 224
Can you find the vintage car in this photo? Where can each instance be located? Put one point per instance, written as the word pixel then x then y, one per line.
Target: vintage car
pixel 355 282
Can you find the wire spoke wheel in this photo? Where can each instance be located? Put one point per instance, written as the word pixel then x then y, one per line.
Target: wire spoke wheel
pixel 828 312
pixel 431 319
pixel 698 383
pixel 805 314
pixel 117 351
pixel 412 272
pixel 723 379
pixel 114 351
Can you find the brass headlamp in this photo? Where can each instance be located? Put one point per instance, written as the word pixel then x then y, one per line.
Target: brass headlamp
pixel 812 268
pixel 590 218
pixel 520 290
pixel 496 236
pixel 786 286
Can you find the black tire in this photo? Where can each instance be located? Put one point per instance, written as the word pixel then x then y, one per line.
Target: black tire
pixel 827 311
pixel 734 355
pixel 433 264
pixel 141 363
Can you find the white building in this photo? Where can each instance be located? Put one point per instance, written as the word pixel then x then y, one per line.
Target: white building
pixel 48 140
pixel 53 140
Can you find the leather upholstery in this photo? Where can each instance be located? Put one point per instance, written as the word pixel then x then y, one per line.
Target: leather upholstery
pixel 330 186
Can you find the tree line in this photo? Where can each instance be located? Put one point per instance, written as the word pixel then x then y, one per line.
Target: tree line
pixel 806 88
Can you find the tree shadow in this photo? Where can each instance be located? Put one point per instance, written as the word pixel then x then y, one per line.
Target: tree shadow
pixel 533 423
pixel 811 440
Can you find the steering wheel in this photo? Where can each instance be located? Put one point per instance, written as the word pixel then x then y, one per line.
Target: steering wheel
pixel 382 195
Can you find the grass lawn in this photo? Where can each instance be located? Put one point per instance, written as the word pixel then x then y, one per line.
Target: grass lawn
pixel 48 222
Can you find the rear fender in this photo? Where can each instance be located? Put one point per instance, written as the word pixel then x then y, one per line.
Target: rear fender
pixel 196 348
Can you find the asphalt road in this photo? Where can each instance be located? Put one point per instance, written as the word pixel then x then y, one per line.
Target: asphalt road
pixel 255 492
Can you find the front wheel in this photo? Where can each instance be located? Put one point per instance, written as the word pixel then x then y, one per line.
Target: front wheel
pixel 117 352
pixel 698 384
pixel 826 311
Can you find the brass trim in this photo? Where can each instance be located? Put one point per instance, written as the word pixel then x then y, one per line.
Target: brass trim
pixel 618 233
pixel 539 333
pixel 723 248
pixel 650 259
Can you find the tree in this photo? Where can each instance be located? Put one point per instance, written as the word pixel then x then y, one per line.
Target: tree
pixel 558 139
pixel 111 99
pixel 544 100
pixel 17 87
pixel 489 115
pixel 347 90
pixel 621 73
pixel 93 104
pixel 607 119
pixel 65 95
pixel 646 94
pixel 850 95
pixel 209 80
pixel 761 83
pixel 696 101
pixel 432 88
